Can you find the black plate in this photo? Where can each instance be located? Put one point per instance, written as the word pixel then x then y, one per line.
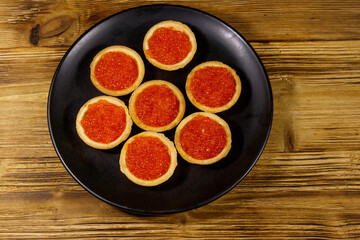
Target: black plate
pixel 191 186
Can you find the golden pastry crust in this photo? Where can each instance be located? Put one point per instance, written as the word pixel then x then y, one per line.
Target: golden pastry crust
pixel 127 51
pixel 169 126
pixel 179 27
pixel 148 183
pixel 81 132
pixel 213 109
pixel 189 158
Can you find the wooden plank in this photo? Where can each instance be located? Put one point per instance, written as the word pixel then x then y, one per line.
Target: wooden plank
pixel 47 23
pixel 24 85
pixel 316 94
pixel 275 172
pixel 281 214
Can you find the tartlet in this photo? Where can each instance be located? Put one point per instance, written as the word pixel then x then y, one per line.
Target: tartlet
pixel 103 122
pixel 169 45
pixel 213 87
pixel 203 138
pixel 148 159
pixel 157 106
pixel 117 70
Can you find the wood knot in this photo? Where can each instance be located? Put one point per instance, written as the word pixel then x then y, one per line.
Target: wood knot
pixel 34 35
pixel 289 140
pixel 51 28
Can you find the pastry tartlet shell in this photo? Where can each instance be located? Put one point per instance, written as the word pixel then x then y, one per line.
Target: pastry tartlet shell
pixel 179 27
pixel 149 183
pixel 204 107
pixel 81 132
pixel 189 158
pixel 171 125
pixel 117 48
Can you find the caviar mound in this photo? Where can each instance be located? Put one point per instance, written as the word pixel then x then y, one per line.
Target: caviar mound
pixel 157 106
pixel 169 45
pixel 117 70
pixel 213 87
pixel 103 122
pixel 203 138
pixel 148 159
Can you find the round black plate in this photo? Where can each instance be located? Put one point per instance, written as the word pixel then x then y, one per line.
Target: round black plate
pixel 191 186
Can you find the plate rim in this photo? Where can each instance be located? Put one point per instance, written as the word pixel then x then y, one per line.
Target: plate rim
pixel 178 210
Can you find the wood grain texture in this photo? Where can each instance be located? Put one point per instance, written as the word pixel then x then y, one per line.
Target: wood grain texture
pixel 306 184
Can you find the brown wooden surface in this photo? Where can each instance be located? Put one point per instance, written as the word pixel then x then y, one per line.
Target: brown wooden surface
pixel 306 184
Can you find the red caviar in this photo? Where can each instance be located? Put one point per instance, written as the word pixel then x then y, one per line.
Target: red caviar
pixel 157 105
pixel 213 86
pixel 104 122
pixel 116 71
pixel 203 138
pixel 169 46
pixel 147 158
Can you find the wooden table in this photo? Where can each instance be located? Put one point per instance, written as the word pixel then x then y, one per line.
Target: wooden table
pixel 306 184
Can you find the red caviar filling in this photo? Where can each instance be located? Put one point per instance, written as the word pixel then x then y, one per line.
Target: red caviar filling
pixel 213 86
pixel 104 122
pixel 116 71
pixel 157 105
pixel 168 46
pixel 203 138
pixel 147 157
